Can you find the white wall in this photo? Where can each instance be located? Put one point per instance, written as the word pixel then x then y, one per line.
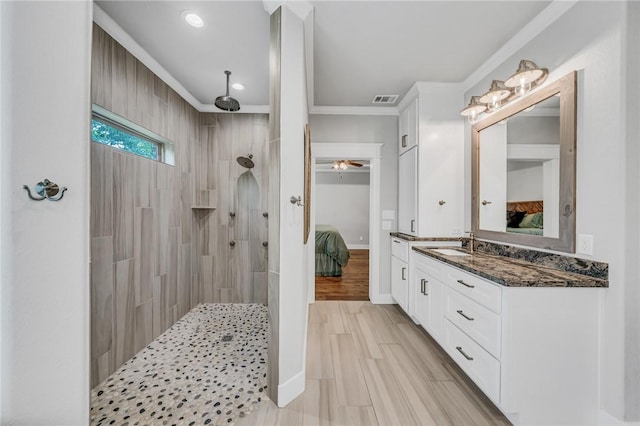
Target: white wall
pixel 292 292
pixel 591 38
pixel 524 181
pixel 45 245
pixel 369 129
pixel 342 200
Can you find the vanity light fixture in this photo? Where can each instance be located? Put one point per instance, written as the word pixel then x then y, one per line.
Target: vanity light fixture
pixel 496 94
pixel 193 19
pixel 474 109
pixel 528 76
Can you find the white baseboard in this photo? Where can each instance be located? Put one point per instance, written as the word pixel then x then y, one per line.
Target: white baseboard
pixel 383 299
pixel 358 246
pixel 289 390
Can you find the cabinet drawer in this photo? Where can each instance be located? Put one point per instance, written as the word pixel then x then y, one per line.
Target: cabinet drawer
pixel 475 288
pixel 481 367
pixel 400 249
pixel 475 320
pixel 428 266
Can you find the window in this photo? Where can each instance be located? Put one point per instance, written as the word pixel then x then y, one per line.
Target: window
pixel 117 132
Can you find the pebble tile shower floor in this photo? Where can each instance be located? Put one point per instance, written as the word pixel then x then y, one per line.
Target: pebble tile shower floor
pixel 189 375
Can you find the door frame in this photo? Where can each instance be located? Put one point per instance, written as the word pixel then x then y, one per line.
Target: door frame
pixel 361 151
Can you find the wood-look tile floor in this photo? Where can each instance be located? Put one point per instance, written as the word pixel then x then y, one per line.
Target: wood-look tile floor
pixel 370 365
pixel 352 285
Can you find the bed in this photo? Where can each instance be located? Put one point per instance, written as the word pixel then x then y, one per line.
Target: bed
pixel 331 252
pixel 525 217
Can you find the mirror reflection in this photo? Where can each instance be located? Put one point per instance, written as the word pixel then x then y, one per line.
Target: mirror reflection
pixel 519 172
pixel 523 170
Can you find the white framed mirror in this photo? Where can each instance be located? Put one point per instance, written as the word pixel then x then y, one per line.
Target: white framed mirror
pixel 523 159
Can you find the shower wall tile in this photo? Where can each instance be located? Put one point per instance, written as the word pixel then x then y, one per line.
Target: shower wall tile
pixel 184 280
pixel 123 206
pixel 206 274
pixel 260 286
pixel 124 312
pixel 158 307
pixel 142 179
pixel 101 190
pixel 172 270
pixel 143 328
pixel 101 295
pixel 143 248
pixel 220 181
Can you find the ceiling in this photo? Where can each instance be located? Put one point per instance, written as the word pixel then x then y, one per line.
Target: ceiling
pixel 360 48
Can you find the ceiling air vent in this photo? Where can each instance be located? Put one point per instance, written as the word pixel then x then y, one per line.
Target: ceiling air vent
pixel 385 99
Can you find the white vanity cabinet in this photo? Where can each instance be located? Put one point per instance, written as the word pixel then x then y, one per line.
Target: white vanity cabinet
pixel 400 272
pixel 404 273
pixel 430 164
pixel 428 296
pixel 532 350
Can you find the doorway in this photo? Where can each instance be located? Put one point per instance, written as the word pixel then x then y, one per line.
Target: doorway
pixel 323 152
pixel 342 192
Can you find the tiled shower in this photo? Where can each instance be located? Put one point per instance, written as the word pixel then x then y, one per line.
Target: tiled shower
pixel 166 238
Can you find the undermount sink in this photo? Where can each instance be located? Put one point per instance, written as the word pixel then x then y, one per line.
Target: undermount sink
pixel 451 252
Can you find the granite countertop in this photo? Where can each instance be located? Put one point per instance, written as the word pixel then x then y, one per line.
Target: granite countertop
pixel 407 237
pixel 514 272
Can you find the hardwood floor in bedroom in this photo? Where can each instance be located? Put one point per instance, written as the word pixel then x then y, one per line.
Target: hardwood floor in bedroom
pixel 352 285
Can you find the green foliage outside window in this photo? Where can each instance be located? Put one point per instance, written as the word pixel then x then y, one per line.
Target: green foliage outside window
pixel 119 139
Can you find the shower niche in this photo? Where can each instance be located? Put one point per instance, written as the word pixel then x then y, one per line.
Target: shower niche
pixel 231 162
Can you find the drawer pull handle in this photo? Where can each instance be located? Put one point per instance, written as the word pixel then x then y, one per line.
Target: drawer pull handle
pixel 466 285
pixel 413 224
pixel 396 241
pixel 459 348
pixel 423 286
pixel 404 270
pixel 463 314
pixel 404 140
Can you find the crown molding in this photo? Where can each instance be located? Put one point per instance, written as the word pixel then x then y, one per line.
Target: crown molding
pixel 244 109
pixel 353 110
pixel 539 23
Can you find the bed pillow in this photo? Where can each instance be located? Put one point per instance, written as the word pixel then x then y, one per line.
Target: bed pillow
pixel 514 218
pixel 532 221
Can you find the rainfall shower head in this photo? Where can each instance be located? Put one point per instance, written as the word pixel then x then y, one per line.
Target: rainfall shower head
pixel 226 102
pixel 246 162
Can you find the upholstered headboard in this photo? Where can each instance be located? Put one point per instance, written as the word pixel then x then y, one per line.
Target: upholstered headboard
pixel 525 206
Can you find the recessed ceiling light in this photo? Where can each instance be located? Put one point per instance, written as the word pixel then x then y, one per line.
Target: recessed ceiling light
pixel 193 19
pixel 237 86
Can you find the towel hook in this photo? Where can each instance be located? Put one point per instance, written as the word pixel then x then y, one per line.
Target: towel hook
pixel 46 190
pixel 296 200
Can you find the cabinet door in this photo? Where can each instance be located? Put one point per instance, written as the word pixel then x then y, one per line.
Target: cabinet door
pixel 407 192
pixel 421 294
pixel 400 282
pixel 429 304
pixel 408 137
pixel 441 181
pixel 435 289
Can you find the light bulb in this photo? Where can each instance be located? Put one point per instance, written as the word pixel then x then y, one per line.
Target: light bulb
pixel 473 117
pixel 523 87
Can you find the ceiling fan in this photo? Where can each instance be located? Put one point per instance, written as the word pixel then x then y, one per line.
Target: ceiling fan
pixel 343 164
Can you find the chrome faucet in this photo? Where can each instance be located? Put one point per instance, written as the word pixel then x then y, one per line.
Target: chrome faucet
pixel 472 240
